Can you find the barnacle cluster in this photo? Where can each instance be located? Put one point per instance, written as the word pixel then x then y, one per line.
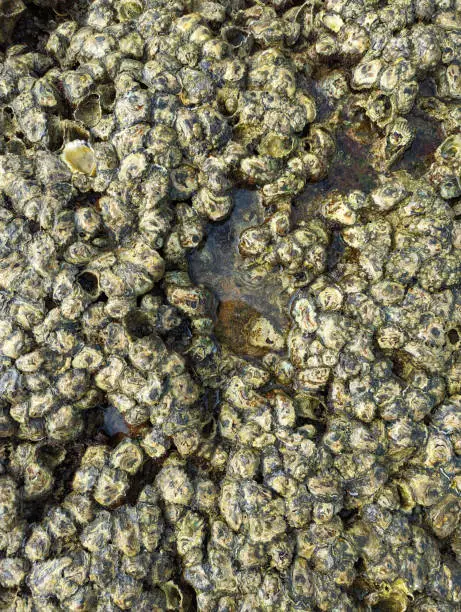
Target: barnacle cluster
pixel 160 450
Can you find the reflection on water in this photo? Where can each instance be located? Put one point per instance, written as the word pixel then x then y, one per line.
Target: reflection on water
pixel 219 266
pixel 233 325
pixel 350 169
pixel 114 423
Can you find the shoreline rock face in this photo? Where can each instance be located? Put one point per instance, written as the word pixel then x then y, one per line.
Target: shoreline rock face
pixel 230 305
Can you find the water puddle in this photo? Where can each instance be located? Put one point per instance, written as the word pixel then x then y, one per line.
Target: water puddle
pixel 420 155
pixel 351 168
pixel 219 266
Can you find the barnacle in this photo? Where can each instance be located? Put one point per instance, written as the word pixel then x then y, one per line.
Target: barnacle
pixel 230 314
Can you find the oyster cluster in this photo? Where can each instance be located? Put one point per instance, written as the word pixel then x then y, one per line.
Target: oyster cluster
pixel 161 451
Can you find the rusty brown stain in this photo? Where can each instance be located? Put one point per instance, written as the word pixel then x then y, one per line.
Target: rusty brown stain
pixel 234 320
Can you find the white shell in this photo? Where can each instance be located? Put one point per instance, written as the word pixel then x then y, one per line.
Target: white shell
pixel 79 156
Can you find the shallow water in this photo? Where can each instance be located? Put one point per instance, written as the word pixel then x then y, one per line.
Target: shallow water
pixel 350 169
pixel 219 266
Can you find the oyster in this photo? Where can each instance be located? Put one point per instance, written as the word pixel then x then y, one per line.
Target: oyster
pixel 277 428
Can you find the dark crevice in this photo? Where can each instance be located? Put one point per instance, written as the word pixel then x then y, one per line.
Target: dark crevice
pixel 102 298
pixel 145 476
pixel 50 304
pixel 189 597
pixel 348 516
pixel 88 282
pixel 35 510
pixel 138 324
